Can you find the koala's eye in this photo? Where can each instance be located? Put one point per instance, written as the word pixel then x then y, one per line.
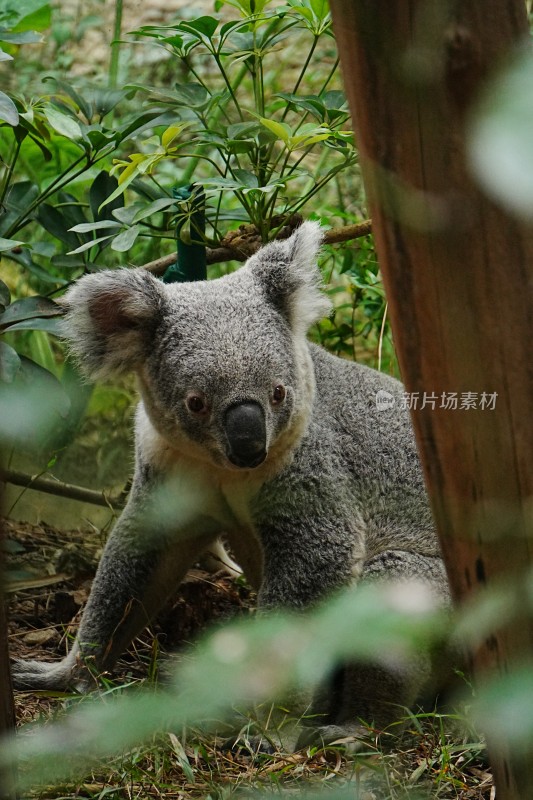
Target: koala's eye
pixel 278 395
pixel 196 404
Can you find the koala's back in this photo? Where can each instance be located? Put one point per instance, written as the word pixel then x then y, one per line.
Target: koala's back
pixel 362 459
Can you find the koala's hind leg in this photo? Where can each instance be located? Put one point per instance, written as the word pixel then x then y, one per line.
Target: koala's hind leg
pixel 378 693
pixel 138 571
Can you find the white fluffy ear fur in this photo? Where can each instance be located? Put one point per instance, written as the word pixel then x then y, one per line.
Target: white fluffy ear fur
pixel 290 278
pixel 110 316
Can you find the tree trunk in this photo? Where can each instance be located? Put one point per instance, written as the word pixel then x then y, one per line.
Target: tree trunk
pixel 7 711
pixel 459 277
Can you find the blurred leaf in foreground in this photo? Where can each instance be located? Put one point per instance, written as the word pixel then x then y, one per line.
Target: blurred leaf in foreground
pixel 240 664
pixel 499 141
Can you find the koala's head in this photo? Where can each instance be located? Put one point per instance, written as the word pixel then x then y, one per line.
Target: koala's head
pixel 223 367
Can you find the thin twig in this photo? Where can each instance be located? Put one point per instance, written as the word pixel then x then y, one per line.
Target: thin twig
pixel 62 489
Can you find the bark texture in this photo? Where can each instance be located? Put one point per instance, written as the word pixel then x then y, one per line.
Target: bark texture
pixel 459 278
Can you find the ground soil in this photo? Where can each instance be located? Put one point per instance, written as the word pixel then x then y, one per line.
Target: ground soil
pixel 49 578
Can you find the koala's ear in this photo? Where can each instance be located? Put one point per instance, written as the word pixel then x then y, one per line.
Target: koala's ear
pixel 110 316
pixel 289 276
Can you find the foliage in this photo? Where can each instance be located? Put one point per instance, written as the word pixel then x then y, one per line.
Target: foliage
pixel 48 144
pixel 245 663
pixel 258 151
pixel 32 401
pixel 17 24
pixel 252 167
pixel 359 328
pixel 252 151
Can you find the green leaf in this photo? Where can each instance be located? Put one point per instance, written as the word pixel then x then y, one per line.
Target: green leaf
pixel 5 56
pixel 25 260
pixel 5 295
pixel 47 324
pixel 243 130
pixel 39 19
pixel 9 244
pixel 158 205
pixel 101 188
pixel 280 129
pixel 193 95
pixel 8 110
pixel 504 707
pixel 125 240
pixel 334 99
pixel 87 245
pixel 229 27
pixel 203 25
pixel 33 408
pixel 55 222
pixel 150 119
pixel 29 308
pixel 68 262
pixel 69 90
pixel 105 100
pixel 9 363
pixel 63 124
pixel 19 197
pixel 236 146
pixel 170 134
pixel 247 179
pixel 72 210
pixel 21 194
pixel 26 37
pixel 86 227
pixel 308 135
pixel 499 140
pixel 310 103
pixel 18 15
pixel 127 214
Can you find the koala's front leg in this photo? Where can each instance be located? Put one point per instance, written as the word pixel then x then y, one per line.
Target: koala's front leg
pixel 141 565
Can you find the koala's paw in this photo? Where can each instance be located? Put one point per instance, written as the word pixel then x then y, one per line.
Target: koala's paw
pixel 59 676
pixel 352 738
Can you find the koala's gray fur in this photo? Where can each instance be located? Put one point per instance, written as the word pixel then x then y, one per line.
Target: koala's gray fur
pixel 247 428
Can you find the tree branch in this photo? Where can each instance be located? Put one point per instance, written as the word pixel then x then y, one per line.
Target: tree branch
pixel 241 244
pixel 62 489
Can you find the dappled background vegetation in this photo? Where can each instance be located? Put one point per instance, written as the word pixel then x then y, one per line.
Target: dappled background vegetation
pixel 119 135
pixel 98 158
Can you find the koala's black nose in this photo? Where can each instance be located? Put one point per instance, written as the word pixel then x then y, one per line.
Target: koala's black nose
pixel 245 428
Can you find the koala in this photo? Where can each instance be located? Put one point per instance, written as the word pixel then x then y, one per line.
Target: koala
pixel 246 428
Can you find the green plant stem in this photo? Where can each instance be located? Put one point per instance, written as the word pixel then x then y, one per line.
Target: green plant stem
pixel 56 186
pixel 316 188
pixel 219 110
pixel 325 155
pixel 330 76
pixel 9 171
pixel 191 168
pixel 302 72
pixel 229 87
pixel 115 47
pixel 197 157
